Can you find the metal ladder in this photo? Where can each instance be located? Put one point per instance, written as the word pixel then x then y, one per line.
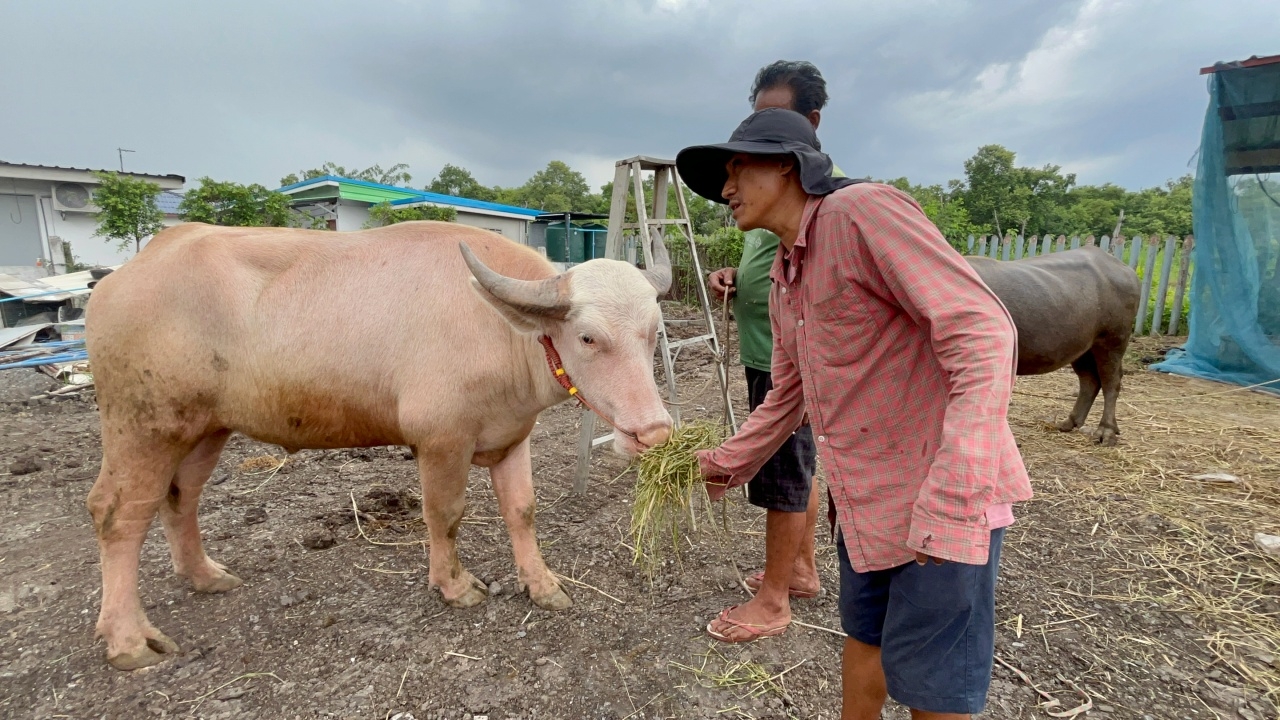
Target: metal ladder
pixel 628 178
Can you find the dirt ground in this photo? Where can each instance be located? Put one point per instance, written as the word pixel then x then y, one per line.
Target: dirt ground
pixel 1125 583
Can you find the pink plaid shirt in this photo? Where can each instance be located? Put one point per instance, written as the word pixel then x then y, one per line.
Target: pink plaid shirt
pixel 904 361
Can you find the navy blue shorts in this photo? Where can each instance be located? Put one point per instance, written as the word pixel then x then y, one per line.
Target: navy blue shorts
pixel 934 625
pixel 785 480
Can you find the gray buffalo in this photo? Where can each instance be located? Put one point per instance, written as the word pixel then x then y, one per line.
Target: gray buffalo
pixel 1075 307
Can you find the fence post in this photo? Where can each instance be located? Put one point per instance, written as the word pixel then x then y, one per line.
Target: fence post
pixel 1075 241
pixel 1017 251
pixel 1062 243
pixel 1090 241
pixel 1149 269
pixel 1184 265
pixel 1166 264
pixel 1117 247
pixel 982 246
pixel 1005 245
pixel 1105 244
pixel 1035 246
pixel 1135 249
pixel 971 244
pixel 995 247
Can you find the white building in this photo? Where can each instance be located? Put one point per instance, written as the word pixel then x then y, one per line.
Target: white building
pixel 344 203
pixel 43 207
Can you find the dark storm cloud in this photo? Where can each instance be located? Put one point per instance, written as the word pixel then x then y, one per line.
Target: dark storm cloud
pixel 252 91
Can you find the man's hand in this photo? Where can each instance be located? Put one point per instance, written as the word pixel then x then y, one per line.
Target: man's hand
pixel 721 282
pixel 717 485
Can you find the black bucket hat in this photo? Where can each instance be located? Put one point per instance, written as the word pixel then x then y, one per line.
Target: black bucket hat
pixel 772 131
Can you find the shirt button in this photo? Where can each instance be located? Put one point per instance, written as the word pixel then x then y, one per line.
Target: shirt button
pixel 822 438
pixel 784 289
pixel 800 324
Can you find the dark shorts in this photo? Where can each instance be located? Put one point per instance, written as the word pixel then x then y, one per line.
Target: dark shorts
pixel 934 625
pixel 784 481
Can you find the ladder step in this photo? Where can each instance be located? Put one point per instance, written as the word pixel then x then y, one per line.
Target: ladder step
pixel 689 341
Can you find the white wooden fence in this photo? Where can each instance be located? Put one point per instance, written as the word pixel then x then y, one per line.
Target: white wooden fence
pixel 1164 300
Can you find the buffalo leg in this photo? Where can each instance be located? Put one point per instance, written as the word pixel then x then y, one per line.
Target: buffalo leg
pixel 444 499
pixel 1111 371
pixel 513 485
pixel 1087 372
pixel 133 483
pixel 178 513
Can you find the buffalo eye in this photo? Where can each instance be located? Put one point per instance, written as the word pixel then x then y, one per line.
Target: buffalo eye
pixel 587 340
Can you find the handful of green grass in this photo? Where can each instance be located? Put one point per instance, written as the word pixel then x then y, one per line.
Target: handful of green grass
pixel 667 480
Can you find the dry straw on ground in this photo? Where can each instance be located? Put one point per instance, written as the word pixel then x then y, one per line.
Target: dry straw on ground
pixel 1172 510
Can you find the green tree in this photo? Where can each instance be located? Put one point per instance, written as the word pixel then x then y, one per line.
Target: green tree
pixel 233 204
pixel 992 196
pixel 384 214
pixel 556 188
pixel 397 174
pixel 128 212
pixel 458 181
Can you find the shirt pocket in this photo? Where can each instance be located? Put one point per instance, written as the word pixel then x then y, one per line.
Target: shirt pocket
pixel 841 327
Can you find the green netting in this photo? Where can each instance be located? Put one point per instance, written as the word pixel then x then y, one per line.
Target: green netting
pixel 1234 331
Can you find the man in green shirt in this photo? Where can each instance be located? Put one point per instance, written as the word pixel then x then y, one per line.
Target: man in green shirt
pixel 784 486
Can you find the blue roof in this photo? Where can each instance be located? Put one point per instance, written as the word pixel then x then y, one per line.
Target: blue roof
pixel 167 201
pixel 456 201
pixel 419 196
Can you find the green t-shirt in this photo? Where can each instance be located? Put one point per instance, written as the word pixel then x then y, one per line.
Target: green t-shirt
pixel 751 298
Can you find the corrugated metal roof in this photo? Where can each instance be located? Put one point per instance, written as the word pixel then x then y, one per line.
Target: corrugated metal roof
pixel 168 202
pixel 417 196
pixel 442 199
pixel 179 178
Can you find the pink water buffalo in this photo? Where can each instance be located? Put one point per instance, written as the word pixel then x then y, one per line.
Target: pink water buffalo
pixel 426 335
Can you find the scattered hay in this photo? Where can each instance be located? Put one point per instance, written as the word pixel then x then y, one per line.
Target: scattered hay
pixel 261 463
pixel 748 679
pixel 667 479
pixel 1171 533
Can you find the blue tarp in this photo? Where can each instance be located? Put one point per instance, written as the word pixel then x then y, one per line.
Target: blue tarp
pixel 1234 333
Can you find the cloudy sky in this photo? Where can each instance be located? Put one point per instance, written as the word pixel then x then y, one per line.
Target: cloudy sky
pixel 250 91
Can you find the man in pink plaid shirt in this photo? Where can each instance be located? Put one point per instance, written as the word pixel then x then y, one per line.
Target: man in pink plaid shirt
pixel 904 361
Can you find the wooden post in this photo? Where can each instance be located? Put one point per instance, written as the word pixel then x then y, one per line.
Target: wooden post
pixel 982 246
pixel 1090 241
pixel 1062 243
pixel 1184 265
pixel 1017 251
pixel 1166 264
pixel 1144 298
pixel 1117 247
pixel 1075 241
pixel 1135 249
pixel 1105 244
pixel 1035 246
pixel 970 244
pixel 1005 246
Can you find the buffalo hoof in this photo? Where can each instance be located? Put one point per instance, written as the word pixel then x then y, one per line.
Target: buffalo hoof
pixel 473 593
pixel 557 599
pixel 1066 425
pixel 1106 437
pixel 217 584
pixel 151 652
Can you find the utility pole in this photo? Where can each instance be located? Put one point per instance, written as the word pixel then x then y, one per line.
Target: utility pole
pixel 121 151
